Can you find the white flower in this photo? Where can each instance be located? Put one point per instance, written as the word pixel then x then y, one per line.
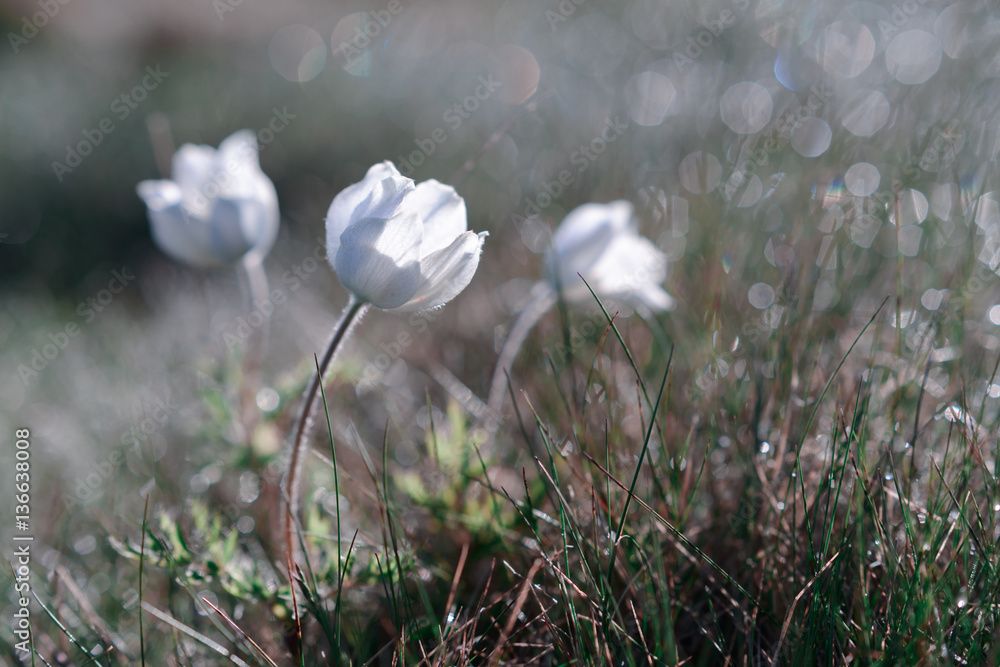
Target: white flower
pixel 601 242
pixel 398 246
pixel 219 206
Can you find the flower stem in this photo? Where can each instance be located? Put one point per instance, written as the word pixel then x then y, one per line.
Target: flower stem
pixel 255 290
pixel 158 126
pixel 525 322
pixel 351 315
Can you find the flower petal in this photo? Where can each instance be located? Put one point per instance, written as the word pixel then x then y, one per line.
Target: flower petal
pixel 378 259
pixel 589 220
pixel 192 167
pixel 159 195
pixel 239 226
pixel 630 264
pixel 443 212
pixel 256 205
pixel 182 237
pixel 655 298
pixel 239 148
pixel 446 272
pixel 584 236
pixel 237 171
pixel 377 195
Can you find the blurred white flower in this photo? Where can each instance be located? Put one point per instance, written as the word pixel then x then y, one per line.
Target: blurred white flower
pixel 398 246
pixel 601 242
pixel 218 208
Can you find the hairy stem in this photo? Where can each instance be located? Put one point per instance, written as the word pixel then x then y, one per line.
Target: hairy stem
pixel 523 325
pixel 351 315
pixel 255 289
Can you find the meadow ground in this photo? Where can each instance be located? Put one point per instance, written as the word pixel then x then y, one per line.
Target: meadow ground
pixel 796 465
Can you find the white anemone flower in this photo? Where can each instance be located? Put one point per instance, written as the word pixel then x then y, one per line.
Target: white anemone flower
pixel 218 208
pixel 597 245
pixel 396 246
pixel 601 243
pixel 399 246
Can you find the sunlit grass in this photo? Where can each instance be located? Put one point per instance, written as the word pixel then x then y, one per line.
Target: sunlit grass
pixel 633 511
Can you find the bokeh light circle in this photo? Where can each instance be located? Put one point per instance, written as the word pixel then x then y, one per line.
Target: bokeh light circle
pixel 954 29
pixel 944 197
pixel 650 97
pixel 519 73
pixel 988 213
pixel 845 49
pixel 743 191
pixel 812 137
pixel 352 42
pixel 297 53
pixel 746 107
pixel 761 296
pixel 700 172
pixel 932 298
pixel 862 179
pixel 865 113
pixel 913 208
pixel 913 56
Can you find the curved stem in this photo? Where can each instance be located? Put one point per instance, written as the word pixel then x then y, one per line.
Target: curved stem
pixel 351 315
pixel 255 290
pixel 518 333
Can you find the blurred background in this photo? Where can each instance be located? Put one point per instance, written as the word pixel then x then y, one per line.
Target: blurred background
pixel 717 77
pixel 769 147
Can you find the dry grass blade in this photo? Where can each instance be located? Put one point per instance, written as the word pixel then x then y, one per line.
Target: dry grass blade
pixel 454 584
pixel 515 611
pixel 93 618
pixel 241 634
pixel 194 634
